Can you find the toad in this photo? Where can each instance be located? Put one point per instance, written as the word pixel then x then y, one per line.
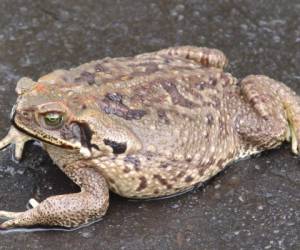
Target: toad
pixel 147 126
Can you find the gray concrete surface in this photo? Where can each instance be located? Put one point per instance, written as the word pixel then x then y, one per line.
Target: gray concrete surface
pixel 254 204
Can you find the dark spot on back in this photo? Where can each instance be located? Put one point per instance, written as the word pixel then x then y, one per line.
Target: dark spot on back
pixel 143 183
pixel 210 119
pixel 138 74
pixel 151 68
pixel 167 60
pixel 201 85
pixel 86 77
pixel 149 155
pixel 100 68
pixel 115 97
pixel 213 82
pixel 216 101
pixel 176 97
pixel 112 104
pixel 210 84
pixel 135 114
pixel 164 165
pixel 163 116
pixel 117 147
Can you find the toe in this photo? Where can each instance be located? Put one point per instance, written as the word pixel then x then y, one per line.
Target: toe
pixel 18 139
pixel 19 151
pixel 294 141
pixel 8 224
pixel 33 202
pixel 9 215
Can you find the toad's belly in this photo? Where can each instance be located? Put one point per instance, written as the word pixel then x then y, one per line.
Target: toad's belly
pixel 138 179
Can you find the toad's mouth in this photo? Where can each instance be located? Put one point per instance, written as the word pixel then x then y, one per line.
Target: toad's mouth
pixel 24 132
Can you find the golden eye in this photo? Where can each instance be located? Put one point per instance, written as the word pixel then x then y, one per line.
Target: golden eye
pixel 53 119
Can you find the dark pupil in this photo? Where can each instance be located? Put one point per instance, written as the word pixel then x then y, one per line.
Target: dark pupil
pixel 53 119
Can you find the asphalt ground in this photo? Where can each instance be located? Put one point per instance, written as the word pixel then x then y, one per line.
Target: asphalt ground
pixel 253 204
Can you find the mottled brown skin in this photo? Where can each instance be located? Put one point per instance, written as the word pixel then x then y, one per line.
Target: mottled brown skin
pixel 146 126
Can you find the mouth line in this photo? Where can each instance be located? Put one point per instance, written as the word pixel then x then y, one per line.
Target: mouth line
pixel 35 136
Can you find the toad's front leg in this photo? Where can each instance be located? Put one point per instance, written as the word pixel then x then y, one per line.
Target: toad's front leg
pixel 68 210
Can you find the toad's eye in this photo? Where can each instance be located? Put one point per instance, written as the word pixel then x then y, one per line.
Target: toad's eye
pixel 53 120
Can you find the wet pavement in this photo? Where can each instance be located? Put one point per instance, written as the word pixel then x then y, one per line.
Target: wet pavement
pixel 253 204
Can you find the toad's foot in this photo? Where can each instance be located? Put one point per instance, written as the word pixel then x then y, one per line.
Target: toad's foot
pixel 17 138
pixel 68 210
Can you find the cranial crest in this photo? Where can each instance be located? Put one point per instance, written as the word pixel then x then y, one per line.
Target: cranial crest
pixel 24 84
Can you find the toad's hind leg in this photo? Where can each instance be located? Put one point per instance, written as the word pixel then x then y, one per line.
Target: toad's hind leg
pixel 68 210
pixel 205 56
pixel 278 108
